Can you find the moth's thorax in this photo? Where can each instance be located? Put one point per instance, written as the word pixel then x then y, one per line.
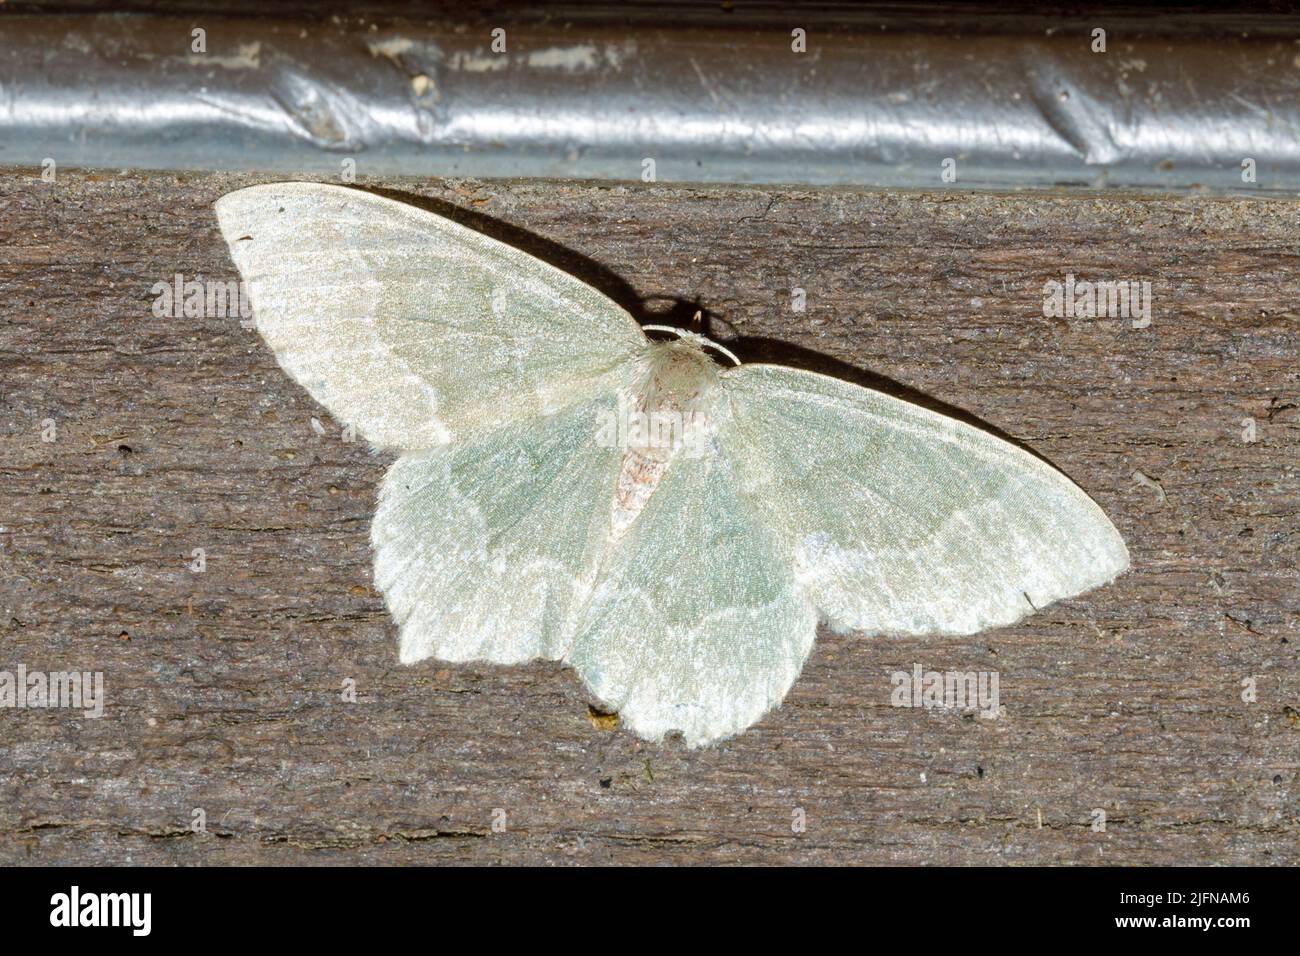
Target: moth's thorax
pixel 669 415
pixel 679 373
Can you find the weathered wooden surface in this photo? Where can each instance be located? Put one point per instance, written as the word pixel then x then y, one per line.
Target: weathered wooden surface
pixel 223 687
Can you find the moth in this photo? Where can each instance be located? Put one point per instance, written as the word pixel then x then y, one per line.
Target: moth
pixel 668 522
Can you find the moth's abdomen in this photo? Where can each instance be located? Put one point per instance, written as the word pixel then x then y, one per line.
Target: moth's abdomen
pixel 638 478
pixel 669 416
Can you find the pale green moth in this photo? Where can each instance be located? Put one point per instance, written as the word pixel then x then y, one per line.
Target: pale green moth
pixel 681 569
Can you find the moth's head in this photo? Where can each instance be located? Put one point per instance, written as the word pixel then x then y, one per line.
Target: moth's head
pixel 691 346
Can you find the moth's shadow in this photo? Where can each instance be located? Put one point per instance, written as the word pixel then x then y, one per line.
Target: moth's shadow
pixel 562 257
pixel 777 352
pixel 681 312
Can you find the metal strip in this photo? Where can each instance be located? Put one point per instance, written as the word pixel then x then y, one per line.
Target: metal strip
pixel 857 107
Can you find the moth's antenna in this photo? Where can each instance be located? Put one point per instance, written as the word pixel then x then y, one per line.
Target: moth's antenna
pixel 704 341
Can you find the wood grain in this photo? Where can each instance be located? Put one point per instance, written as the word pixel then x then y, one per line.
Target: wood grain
pixel 224 687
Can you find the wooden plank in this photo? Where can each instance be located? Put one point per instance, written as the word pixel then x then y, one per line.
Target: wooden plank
pixel 224 687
